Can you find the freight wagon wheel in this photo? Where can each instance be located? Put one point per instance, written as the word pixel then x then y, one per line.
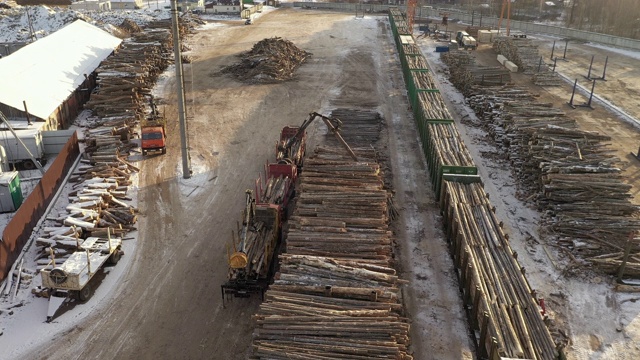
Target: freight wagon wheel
pixel 29 165
pixel 58 276
pixel 115 257
pixel 85 293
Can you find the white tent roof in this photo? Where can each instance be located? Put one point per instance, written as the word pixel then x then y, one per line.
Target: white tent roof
pixel 46 72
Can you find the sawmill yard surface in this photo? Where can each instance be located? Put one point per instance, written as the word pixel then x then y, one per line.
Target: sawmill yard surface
pixel 163 299
pixel 166 303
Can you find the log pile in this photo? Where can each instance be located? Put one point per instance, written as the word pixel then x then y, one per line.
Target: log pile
pixel 524 53
pixel 411 49
pixel 257 246
pixel 360 128
pixel 126 78
pixel 270 60
pixel 570 174
pixel 336 295
pixel 448 146
pixel 465 74
pixel 501 304
pixel 275 189
pixel 433 106
pixel 98 207
pixel 417 62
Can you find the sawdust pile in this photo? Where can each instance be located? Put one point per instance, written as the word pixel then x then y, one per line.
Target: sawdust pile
pixel 270 60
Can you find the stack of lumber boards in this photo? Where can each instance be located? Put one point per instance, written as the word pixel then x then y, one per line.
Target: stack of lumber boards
pixel 336 295
pixel 502 307
pixel 572 175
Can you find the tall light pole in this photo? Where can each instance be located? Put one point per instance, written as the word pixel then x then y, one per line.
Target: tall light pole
pixel 186 158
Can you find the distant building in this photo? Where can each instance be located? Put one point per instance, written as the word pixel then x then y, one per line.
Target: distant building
pixel 126 4
pixel 54 90
pixel 94 5
pixel 223 7
pixel 60 3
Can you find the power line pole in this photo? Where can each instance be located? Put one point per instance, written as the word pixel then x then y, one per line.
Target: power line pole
pixel 182 116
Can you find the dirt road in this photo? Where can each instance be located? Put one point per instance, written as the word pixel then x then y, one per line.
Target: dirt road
pixel 168 305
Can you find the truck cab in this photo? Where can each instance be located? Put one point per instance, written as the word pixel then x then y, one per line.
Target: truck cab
pixel 153 139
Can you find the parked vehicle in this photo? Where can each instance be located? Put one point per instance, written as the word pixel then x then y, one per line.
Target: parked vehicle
pixel 153 137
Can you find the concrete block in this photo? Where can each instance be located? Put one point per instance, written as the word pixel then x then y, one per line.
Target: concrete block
pixel 511 66
pixel 501 59
pixel 484 36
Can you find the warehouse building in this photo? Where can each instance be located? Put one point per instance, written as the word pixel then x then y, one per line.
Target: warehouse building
pixel 54 90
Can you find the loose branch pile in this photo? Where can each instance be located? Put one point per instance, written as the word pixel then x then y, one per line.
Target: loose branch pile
pixel 270 60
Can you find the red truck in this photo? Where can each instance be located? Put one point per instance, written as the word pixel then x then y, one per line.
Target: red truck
pixel 153 138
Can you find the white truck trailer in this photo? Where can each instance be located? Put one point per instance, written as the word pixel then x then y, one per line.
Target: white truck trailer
pixel 71 278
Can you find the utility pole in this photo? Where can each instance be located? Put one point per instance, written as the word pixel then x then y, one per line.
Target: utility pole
pixel 182 116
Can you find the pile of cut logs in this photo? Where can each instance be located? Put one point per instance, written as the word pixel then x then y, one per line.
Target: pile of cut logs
pixel 524 53
pixel 416 62
pixel 126 77
pixel 570 174
pixel 464 73
pixel 502 306
pixel 448 146
pixel 98 207
pixel 336 294
pixel 270 60
pixel 361 128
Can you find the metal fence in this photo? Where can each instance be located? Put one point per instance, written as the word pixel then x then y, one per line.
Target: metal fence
pixel 488 21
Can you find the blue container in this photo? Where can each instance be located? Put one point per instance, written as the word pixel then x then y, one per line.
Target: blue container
pixel 442 48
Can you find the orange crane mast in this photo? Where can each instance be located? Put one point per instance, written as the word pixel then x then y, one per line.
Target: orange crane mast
pixel 411 13
pixel 505 4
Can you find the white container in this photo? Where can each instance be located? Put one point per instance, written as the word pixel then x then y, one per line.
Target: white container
pixel 511 66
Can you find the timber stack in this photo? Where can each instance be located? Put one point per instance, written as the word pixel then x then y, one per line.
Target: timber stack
pixel 500 303
pixel 464 73
pixel 570 174
pixel 336 294
pixel 524 53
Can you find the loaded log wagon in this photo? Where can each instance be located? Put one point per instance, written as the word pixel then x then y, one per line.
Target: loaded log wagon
pixel 252 253
pixel 71 278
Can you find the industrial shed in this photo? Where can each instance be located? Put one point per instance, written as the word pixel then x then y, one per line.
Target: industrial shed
pixel 54 89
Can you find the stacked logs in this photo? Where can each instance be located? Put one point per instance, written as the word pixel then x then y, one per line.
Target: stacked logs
pixel 336 295
pixel 417 62
pixel 501 305
pixel 448 146
pixel 524 53
pixel 270 60
pixel 464 73
pixel 126 78
pixel 98 207
pixel 361 129
pixel 570 174
pixel 431 101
